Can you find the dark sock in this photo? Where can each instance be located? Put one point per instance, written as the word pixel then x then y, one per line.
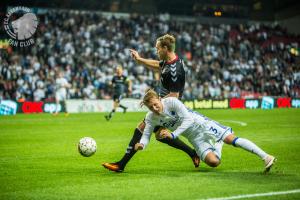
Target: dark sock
pixel 111 113
pixel 121 106
pixel 178 144
pixel 64 105
pixel 130 149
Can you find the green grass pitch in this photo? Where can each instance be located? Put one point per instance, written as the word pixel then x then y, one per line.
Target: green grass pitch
pixel 39 159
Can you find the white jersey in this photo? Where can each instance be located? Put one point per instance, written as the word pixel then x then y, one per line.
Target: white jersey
pixel 61 84
pixel 182 121
pixel 61 91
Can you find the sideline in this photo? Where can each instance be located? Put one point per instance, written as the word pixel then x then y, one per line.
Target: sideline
pixel 255 195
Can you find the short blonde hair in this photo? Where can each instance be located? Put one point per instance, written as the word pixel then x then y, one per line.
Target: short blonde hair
pixel 119 67
pixel 149 94
pixel 168 41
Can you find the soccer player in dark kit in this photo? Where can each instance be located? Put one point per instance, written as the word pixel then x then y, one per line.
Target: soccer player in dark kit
pixel 119 83
pixel 172 80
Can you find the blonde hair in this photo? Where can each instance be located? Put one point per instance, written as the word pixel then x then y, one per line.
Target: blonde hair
pixel 149 94
pixel 119 67
pixel 168 41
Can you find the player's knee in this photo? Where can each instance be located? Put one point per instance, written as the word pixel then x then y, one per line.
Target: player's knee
pixel 212 160
pixel 158 133
pixel 141 126
pixel 230 139
pixel 214 163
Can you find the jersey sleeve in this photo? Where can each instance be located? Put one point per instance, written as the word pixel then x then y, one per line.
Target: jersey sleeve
pixel 183 113
pixel 148 130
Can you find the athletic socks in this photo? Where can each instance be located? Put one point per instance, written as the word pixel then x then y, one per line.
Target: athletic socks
pixel 57 106
pixel 111 113
pixel 130 149
pixel 121 106
pixel 178 144
pixel 249 146
pixel 124 108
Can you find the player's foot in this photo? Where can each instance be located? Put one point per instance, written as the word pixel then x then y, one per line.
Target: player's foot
pixel 196 160
pixel 269 162
pixel 67 114
pixel 55 114
pixel 125 110
pixel 112 167
pixel 107 117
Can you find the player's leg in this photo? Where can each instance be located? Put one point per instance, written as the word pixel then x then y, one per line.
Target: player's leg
pixel 251 147
pixel 120 105
pixel 123 107
pixel 64 105
pixel 218 148
pixel 57 100
pixel 112 112
pixel 120 165
pixel 206 149
pixel 178 144
pixel 212 160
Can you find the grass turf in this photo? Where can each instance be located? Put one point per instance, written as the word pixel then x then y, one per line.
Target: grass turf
pixel 39 159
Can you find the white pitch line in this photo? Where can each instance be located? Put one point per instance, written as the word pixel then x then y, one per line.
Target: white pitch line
pixel 255 195
pixel 236 122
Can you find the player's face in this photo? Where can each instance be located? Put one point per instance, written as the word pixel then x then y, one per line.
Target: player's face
pixel 155 106
pixel 119 72
pixel 161 52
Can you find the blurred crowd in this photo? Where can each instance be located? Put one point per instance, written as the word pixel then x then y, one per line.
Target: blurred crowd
pixel 222 61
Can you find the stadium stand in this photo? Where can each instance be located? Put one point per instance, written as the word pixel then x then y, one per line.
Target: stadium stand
pixel 222 61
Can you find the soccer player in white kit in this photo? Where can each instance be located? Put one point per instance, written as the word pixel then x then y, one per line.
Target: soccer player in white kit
pixel 204 134
pixel 61 84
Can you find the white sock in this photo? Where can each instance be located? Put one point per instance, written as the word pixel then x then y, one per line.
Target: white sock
pixel 250 146
pixel 56 110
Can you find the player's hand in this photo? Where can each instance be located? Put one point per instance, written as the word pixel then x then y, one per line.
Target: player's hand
pixel 135 55
pixel 165 134
pixel 138 146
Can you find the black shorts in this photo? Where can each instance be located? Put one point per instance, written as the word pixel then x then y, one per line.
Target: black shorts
pixel 117 97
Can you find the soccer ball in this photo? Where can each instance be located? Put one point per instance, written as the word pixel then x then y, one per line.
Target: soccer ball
pixel 87 146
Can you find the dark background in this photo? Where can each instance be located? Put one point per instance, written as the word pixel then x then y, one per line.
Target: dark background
pixel 266 10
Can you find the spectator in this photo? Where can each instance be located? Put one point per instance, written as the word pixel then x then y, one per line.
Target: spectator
pixel 221 60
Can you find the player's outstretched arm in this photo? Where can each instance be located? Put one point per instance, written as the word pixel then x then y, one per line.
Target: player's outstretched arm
pixel 67 85
pixel 129 86
pixel 151 64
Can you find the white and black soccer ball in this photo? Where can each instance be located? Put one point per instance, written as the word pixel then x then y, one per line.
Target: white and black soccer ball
pixel 87 146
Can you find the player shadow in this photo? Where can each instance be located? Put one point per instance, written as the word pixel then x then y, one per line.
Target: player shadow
pixel 254 176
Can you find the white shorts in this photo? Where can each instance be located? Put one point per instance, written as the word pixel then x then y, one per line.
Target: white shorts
pixel 60 96
pixel 216 130
pixel 210 139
